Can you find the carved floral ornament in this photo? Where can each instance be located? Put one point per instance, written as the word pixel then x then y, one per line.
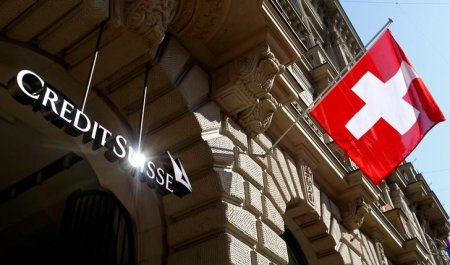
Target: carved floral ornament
pixel 308 184
pixel 150 18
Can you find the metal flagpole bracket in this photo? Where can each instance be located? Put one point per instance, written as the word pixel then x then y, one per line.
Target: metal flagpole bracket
pixel 354 60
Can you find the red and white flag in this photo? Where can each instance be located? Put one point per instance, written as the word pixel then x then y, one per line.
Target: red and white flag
pixel 380 110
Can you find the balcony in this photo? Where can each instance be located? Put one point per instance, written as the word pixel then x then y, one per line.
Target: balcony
pixel 295 20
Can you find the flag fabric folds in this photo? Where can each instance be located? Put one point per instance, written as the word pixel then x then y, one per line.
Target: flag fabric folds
pixel 380 110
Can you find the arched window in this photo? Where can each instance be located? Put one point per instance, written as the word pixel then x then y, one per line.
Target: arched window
pixel 295 252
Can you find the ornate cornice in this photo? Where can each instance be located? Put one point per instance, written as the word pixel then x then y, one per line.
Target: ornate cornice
pixel 150 18
pixel 242 89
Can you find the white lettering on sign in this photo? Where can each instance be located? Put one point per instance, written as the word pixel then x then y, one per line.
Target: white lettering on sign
pixel 384 101
pixel 29 89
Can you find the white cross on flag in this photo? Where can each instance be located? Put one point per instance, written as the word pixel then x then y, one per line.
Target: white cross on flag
pixel 380 110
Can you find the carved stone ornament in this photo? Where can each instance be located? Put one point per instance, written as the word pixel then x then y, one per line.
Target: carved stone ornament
pixel 308 184
pixel 438 249
pixel 242 89
pixel 150 18
pixel 380 253
pixel 353 213
pixel 257 119
pixel 200 19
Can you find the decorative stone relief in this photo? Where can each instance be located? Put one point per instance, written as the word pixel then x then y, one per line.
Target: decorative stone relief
pixel 150 18
pixel 242 89
pixel 199 19
pixel 257 119
pixel 308 184
pixel 441 257
pixel 353 213
pixel 380 253
pixel 438 250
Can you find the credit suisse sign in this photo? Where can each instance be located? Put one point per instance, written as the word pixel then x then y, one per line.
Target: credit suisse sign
pixel 30 89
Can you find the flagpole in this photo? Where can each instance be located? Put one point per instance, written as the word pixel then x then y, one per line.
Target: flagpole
pixel 332 83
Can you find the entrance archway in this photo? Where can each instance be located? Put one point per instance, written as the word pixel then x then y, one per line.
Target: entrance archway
pixel 96 229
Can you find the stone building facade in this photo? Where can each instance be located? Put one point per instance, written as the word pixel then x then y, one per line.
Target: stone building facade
pixel 227 78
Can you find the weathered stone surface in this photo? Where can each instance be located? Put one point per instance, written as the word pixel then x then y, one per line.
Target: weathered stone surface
pixel 258 259
pixel 315 229
pixel 323 245
pixel 336 230
pixel 272 192
pixel 295 176
pixel 343 250
pixel 213 186
pixel 271 216
pixel 234 132
pixel 208 118
pixel 271 244
pixel 183 131
pixel 356 259
pixel 274 170
pixel 220 249
pixel 40 18
pixel 325 213
pixel 249 169
pixel 174 60
pixel 264 141
pixel 252 199
pixel 335 211
pixel 222 150
pixel 62 34
pixel 282 165
pixel 173 104
pixel 331 258
pixel 257 153
pixel 197 78
pixel 217 217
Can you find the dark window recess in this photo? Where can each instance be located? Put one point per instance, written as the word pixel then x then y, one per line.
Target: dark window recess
pixel 295 252
pixel 96 229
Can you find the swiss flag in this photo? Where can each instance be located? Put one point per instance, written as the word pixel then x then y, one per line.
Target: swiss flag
pixel 380 110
